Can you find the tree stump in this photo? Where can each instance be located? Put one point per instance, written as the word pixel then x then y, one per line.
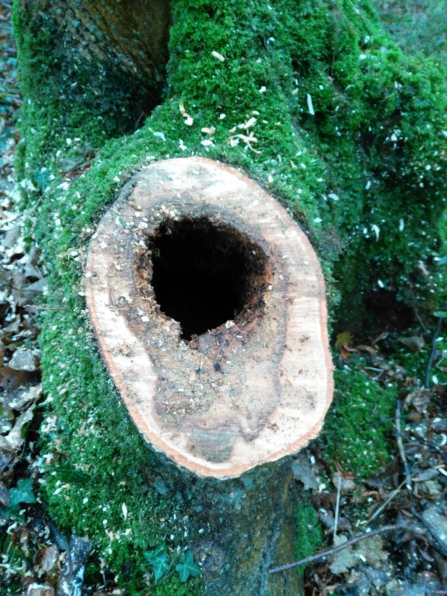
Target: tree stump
pixel 208 304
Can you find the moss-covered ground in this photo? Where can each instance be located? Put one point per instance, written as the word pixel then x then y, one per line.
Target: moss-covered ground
pixel 350 135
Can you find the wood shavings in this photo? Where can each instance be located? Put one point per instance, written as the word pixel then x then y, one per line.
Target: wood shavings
pixel 218 56
pixel 188 120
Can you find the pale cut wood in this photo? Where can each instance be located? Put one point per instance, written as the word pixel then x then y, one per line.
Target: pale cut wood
pixel 249 392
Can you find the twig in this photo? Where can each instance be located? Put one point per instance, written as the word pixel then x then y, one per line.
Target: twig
pixel 390 498
pixel 429 443
pixel 319 583
pixel 332 551
pixel 358 13
pixel 432 352
pixel 421 322
pixel 30 306
pixel 402 451
pixel 337 506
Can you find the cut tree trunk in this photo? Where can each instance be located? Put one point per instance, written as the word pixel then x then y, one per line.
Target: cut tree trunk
pixel 208 303
pixel 188 243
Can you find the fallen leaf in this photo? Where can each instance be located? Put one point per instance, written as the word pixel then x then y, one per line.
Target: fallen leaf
pixel 50 560
pixel 427 474
pixel 303 472
pixel 4 495
pixel 344 338
pixel 345 559
pixel 414 343
pixel 23 398
pixel 346 483
pixel 419 398
pixel 14 438
pixel 372 550
pixel 10 379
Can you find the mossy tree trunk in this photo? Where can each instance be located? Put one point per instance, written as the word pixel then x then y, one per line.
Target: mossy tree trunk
pixel 312 100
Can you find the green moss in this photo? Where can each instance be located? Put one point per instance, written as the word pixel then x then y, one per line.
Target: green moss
pixel 364 175
pixel 70 96
pixel 108 488
pixel 358 430
pixel 310 533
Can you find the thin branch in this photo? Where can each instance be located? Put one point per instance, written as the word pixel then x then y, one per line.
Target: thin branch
pixel 337 507
pixel 402 450
pixel 421 322
pixel 390 498
pixel 31 307
pixel 337 549
pixel 432 352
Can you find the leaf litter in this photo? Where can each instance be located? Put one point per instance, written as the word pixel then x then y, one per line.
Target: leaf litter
pixel 406 497
pixel 32 549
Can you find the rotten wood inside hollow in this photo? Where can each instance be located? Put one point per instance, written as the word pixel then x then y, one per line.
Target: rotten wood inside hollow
pixel 229 382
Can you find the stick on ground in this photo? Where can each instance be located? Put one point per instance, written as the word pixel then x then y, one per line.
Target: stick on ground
pixel 332 551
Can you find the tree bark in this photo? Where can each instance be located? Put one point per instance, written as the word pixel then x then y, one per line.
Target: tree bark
pixel 133 35
pixel 245 527
pixel 73 568
pixel 106 60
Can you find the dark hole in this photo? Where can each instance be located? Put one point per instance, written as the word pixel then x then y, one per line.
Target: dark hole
pixel 204 273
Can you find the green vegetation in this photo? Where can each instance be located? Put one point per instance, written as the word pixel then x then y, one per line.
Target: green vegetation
pixel 358 430
pixel 350 135
pixel 309 531
pixel 67 95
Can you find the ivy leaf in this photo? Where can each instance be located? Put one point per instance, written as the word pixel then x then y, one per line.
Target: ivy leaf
pixel 158 558
pixel 442 261
pixel 161 566
pixel 22 494
pixel 187 566
pixel 441 314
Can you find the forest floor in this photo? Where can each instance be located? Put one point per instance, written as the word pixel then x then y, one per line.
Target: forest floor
pixel 407 492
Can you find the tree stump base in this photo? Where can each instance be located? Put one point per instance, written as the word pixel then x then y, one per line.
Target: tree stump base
pixel 208 303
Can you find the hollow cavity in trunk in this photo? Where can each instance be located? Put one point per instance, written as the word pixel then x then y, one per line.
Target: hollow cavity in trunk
pixel 203 272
